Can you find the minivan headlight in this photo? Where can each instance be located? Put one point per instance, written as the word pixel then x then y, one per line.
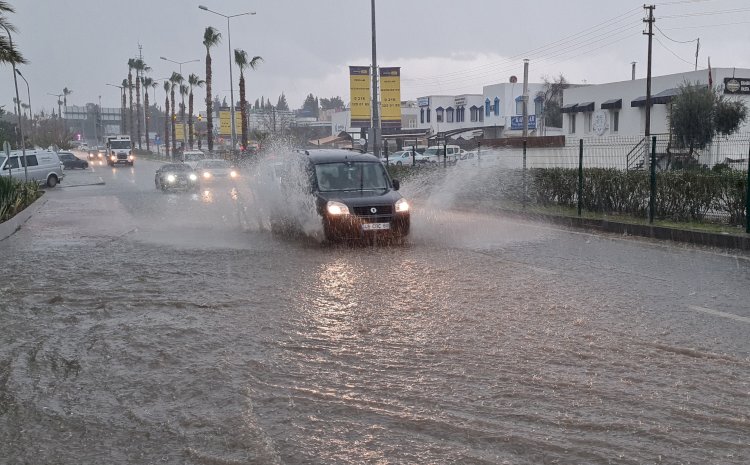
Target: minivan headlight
pixel 402 206
pixel 336 208
pixel 193 177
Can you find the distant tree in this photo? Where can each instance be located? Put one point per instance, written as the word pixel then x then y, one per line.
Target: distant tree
pixel 147 82
pixel 281 104
pixel 193 81
pixel 224 103
pixel 333 103
pixel 730 114
pixel 211 37
pixel 310 105
pixel 262 102
pixel 8 54
pixel 140 67
pixel 257 104
pixel 552 99
pixel 131 66
pixel 176 81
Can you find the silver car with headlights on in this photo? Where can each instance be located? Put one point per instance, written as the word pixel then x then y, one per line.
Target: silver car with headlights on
pixel 176 177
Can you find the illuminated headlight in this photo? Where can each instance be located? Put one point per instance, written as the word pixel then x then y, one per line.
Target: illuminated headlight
pixel 100 155
pixel 402 206
pixel 113 158
pixel 193 177
pixel 337 208
pixel 206 174
pixel 233 174
pixel 171 178
pixel 130 158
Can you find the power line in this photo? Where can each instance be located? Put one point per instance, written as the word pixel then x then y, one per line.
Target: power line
pixel 706 26
pixel 670 51
pixel 673 40
pixel 707 13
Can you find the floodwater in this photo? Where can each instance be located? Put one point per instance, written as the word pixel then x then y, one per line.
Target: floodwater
pixel 141 327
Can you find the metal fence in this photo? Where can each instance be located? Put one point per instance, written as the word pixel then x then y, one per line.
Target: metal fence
pixel 614 176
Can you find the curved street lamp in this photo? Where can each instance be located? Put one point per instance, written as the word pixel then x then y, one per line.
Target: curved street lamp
pixel 231 87
pixel 31 112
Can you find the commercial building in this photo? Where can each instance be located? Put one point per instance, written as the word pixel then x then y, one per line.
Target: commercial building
pixel 619 108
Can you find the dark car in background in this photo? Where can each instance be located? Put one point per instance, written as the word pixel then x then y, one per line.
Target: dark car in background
pixel 176 176
pixel 70 161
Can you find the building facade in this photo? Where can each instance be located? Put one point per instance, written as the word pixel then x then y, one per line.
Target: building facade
pixel 619 108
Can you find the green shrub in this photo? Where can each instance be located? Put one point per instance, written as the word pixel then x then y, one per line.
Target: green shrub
pixel 15 196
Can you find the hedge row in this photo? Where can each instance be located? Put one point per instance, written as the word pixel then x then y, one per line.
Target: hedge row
pixel 686 195
pixel 15 196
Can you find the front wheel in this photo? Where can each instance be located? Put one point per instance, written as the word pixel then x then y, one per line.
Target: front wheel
pixel 399 163
pixel 52 181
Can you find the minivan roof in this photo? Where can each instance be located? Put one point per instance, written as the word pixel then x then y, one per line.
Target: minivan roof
pixel 337 155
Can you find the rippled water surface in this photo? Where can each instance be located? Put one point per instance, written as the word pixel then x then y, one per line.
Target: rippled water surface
pixel 139 327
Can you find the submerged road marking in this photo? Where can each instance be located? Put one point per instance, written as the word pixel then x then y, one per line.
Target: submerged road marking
pixel 710 311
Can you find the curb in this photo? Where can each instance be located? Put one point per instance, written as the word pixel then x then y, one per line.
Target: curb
pixel 9 227
pixel 725 241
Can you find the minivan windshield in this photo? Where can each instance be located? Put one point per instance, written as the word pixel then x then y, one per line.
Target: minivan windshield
pixel 350 176
pixel 432 151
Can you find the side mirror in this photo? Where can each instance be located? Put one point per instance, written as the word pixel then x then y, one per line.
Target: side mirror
pixel 396 185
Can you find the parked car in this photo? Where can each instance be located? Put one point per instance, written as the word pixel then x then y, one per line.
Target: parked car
pixel 70 161
pixel 176 176
pixel 215 170
pixel 436 153
pixel 355 197
pixel 42 166
pixel 402 157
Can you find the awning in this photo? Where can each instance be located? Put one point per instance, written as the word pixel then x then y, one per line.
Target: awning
pixel 587 106
pixel 614 104
pixel 661 98
pixel 568 108
pixel 328 140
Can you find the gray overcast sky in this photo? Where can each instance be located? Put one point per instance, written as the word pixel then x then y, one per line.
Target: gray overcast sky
pixel 443 46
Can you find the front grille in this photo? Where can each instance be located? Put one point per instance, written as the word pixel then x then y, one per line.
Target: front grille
pixel 122 156
pixel 379 210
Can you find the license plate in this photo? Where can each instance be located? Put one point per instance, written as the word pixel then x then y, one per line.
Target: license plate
pixel 376 226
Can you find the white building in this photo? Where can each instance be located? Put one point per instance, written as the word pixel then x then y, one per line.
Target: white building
pixel 442 113
pixel 618 108
pixel 341 121
pixel 503 109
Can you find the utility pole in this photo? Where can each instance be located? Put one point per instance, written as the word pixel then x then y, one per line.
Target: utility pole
pixel 632 77
pixel 525 98
pixel 375 116
pixel 650 34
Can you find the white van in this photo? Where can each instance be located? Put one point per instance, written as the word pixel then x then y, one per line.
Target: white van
pixel 435 153
pixel 43 166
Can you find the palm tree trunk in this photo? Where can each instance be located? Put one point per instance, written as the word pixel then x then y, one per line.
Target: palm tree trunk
pixel 190 119
pixel 166 126
pixel 122 113
pixel 209 105
pixel 130 115
pixel 145 104
pixel 174 117
pixel 138 105
pixel 243 111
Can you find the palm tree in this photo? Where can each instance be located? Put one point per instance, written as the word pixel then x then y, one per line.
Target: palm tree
pixel 131 65
pixel 123 125
pixel 147 82
pixel 8 51
pixel 183 93
pixel 167 88
pixel 140 67
pixel 65 94
pixel 194 81
pixel 175 80
pixel 240 58
pixel 211 37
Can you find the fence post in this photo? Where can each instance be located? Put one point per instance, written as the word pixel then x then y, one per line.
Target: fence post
pixel 652 197
pixel 479 153
pixel 747 196
pixel 413 155
pixel 523 176
pixel 445 152
pixel 580 177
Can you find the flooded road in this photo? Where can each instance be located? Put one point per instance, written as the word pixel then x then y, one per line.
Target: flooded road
pixel 141 327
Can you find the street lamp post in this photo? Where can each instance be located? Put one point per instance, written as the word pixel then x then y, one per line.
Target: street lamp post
pixel 231 80
pixel 31 112
pixel 18 106
pixel 122 108
pixel 182 97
